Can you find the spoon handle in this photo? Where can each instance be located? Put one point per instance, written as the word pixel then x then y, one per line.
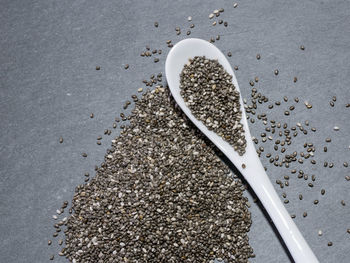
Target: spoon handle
pixel 259 181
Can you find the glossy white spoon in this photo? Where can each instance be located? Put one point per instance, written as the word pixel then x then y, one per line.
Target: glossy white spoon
pixel 254 172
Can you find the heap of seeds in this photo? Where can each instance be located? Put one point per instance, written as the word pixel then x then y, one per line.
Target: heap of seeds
pixel 161 195
pixel 212 98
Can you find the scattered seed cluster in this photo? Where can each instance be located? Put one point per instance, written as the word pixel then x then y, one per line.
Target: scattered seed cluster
pixel 208 91
pixel 277 137
pixel 161 195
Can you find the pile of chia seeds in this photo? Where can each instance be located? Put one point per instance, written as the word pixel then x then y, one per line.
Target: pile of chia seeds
pixel 212 98
pixel 161 195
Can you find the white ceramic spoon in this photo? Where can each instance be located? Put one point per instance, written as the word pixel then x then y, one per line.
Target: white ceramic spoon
pixel 254 172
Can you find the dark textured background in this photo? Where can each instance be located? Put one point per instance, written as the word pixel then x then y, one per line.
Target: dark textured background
pixel 49 87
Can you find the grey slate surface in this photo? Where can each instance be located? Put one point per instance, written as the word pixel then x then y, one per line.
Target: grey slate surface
pixel 49 87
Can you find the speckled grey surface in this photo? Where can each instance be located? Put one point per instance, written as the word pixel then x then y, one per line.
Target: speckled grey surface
pixel 49 87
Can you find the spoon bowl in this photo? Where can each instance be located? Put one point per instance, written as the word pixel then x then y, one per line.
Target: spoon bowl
pixel 253 170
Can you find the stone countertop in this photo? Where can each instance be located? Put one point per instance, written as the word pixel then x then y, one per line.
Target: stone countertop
pixel 49 86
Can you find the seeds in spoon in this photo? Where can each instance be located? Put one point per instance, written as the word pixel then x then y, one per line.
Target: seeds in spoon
pixel 208 91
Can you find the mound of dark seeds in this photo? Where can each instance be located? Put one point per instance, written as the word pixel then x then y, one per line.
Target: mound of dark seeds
pixel 212 98
pixel 161 195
